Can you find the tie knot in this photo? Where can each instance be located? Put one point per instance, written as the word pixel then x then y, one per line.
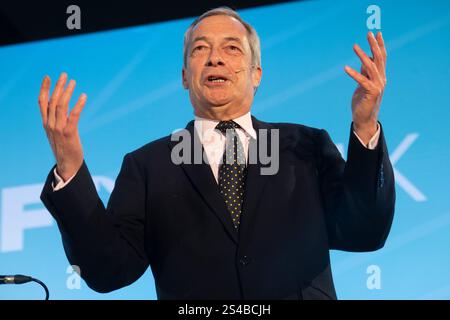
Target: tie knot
pixel 223 126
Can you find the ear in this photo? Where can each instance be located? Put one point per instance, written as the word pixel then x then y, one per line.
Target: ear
pixel 256 76
pixel 184 79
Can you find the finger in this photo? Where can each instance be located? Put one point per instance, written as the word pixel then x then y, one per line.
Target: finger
pixel 380 41
pixel 358 77
pixel 43 98
pixel 376 52
pixel 365 61
pixel 63 105
pixel 363 71
pixel 381 44
pixel 368 64
pixel 75 113
pixel 51 117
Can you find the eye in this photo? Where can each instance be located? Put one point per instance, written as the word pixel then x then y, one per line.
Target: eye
pixel 232 49
pixel 199 48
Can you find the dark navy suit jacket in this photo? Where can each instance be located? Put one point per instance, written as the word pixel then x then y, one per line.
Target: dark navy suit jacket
pixel 172 218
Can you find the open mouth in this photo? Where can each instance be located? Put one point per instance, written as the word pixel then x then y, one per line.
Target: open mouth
pixel 216 79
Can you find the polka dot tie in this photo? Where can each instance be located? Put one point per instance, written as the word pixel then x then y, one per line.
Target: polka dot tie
pixel 232 171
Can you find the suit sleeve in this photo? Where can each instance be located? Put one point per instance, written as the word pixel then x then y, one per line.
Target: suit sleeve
pixel 107 244
pixel 358 195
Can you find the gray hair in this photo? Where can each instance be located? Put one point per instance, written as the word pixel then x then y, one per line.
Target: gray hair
pixel 252 36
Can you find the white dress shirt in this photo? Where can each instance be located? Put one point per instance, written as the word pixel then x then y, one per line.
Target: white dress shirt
pixel 213 142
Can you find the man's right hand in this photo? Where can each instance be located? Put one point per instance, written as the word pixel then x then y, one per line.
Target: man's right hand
pixel 62 128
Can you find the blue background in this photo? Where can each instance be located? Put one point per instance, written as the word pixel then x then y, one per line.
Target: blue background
pixel 133 80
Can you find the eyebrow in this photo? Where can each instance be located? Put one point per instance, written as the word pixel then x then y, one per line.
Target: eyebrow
pixel 203 38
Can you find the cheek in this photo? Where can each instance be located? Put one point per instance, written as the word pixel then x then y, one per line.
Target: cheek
pixel 194 71
pixel 240 70
pixel 245 79
pixel 236 65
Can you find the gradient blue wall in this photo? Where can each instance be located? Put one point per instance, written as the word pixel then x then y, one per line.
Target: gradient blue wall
pixel 133 81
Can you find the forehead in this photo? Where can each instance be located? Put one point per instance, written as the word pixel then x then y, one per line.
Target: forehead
pixel 219 26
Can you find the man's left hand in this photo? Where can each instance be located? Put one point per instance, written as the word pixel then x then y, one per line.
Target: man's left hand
pixel 371 81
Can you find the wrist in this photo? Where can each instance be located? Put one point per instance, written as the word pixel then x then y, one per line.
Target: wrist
pixel 67 171
pixel 365 131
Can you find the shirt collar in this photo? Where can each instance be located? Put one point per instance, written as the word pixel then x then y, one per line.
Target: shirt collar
pixel 245 121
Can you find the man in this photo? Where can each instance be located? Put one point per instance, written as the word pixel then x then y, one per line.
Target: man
pixel 221 229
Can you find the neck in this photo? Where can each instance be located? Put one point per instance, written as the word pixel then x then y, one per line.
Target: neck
pixel 220 113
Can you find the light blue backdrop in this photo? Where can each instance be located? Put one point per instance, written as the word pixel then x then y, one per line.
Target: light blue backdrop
pixel 132 78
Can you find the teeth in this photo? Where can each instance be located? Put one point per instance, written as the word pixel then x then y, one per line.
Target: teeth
pixel 214 79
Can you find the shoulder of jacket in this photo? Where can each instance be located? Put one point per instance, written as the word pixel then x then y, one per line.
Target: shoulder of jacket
pixel 299 130
pixel 154 147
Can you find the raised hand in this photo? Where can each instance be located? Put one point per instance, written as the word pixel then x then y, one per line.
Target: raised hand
pixel 60 126
pixel 371 81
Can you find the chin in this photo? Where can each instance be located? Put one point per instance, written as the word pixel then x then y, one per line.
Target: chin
pixel 218 101
pixel 217 104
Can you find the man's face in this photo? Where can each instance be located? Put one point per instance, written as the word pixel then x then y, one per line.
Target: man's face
pixel 218 70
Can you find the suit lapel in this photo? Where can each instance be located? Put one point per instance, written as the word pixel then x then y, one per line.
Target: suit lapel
pixel 255 182
pixel 204 182
pixel 202 178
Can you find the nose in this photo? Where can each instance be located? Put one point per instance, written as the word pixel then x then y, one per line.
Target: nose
pixel 214 59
